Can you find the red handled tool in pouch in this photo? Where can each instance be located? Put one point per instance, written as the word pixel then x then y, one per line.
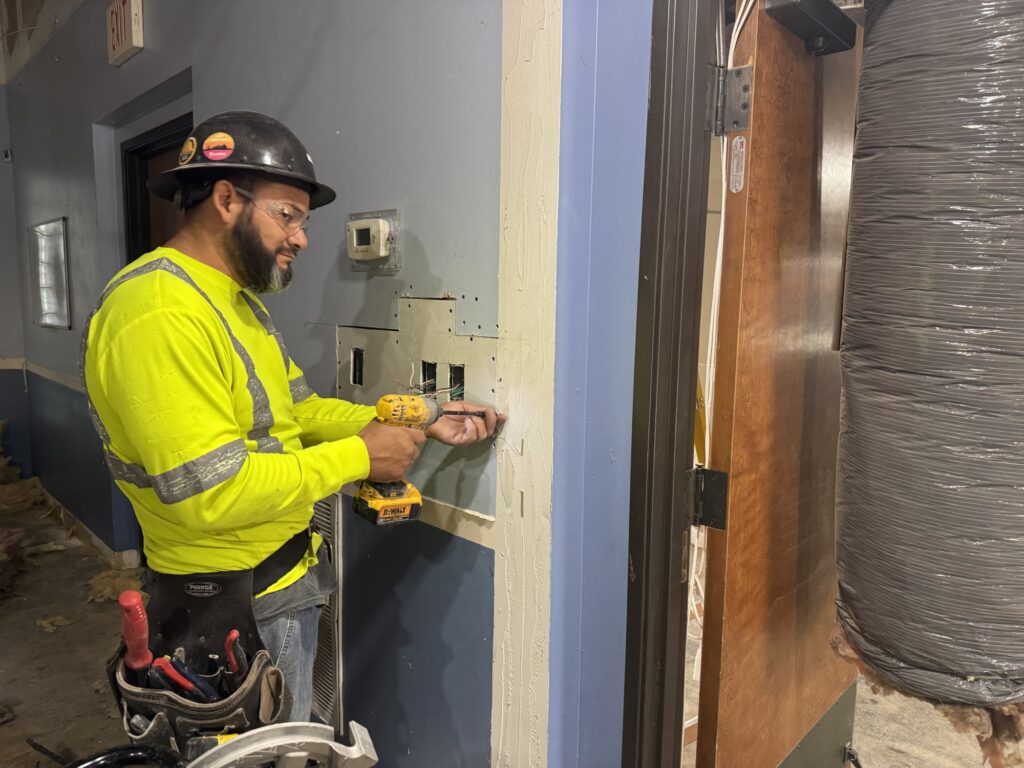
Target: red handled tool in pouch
pixel 238 663
pixel 135 629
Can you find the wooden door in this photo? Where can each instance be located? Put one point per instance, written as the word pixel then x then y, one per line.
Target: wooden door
pixel 149 220
pixel 768 672
pixel 165 218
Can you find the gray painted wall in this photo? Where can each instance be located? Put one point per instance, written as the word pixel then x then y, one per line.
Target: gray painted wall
pixel 54 103
pixel 397 102
pixel 11 344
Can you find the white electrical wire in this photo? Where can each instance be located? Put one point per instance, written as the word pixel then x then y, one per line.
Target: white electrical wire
pixel 743 12
pixel 698 548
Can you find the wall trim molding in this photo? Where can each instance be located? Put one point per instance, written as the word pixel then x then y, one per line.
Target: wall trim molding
pixel 71 381
pixel 68 380
pixel 531 98
pixel 461 523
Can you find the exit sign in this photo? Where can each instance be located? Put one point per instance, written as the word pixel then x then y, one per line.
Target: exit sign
pixel 124 30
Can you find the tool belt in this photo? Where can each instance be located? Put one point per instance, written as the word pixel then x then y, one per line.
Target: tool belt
pixel 190 618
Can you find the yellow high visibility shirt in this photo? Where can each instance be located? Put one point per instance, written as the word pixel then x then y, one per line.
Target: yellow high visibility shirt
pixel 208 425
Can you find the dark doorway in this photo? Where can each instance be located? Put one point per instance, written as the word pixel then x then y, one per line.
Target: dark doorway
pixel 149 220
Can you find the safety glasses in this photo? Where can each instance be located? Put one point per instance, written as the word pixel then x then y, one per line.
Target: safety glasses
pixel 287 216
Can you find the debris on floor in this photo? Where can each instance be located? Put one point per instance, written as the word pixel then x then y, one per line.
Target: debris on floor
pixel 11 560
pixel 109 584
pixel 52 623
pixel 58 629
pixel 53 539
pixel 8 474
pixel 23 495
pixel 997 731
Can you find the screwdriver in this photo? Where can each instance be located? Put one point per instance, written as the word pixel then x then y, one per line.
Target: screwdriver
pixel 135 628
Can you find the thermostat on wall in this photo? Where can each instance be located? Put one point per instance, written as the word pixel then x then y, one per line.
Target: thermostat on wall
pixel 372 241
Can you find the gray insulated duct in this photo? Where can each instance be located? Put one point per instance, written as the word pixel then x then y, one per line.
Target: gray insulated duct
pixel 930 497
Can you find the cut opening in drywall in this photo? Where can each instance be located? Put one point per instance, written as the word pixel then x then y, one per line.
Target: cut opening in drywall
pixel 356 368
pixel 457 382
pixel 428 377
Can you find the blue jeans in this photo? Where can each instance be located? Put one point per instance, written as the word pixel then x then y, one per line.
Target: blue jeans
pixel 291 640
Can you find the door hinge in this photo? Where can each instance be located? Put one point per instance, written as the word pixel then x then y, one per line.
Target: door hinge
pixel 729 99
pixel 710 489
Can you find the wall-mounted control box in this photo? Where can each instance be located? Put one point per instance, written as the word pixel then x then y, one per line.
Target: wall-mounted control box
pixel 371 241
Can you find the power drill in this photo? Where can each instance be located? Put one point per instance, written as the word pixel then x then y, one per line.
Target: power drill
pixel 399 502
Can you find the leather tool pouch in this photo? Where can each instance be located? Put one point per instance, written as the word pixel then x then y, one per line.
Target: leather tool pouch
pixel 195 613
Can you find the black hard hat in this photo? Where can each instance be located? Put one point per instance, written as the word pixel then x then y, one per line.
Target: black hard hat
pixel 244 141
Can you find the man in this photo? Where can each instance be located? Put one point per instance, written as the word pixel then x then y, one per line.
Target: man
pixel 208 425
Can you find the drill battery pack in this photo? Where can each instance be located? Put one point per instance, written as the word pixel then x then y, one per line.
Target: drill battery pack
pixel 388 503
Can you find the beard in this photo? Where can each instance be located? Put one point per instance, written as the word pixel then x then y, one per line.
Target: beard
pixel 253 263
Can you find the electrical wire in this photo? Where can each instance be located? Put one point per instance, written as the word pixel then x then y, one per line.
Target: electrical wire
pixel 698 548
pixel 743 12
pixel 14 32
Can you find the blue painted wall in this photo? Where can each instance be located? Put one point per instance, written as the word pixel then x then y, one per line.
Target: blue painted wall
pixel 67 454
pixel 605 68
pixel 418 643
pixel 14 410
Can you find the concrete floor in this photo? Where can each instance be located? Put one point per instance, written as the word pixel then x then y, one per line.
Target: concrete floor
pixel 55 642
pixel 889 731
pixel 56 638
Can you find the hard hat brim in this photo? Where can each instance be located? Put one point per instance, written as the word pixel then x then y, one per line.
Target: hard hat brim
pixel 165 185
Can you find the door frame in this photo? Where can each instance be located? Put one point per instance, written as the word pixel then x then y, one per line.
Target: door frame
pixel 135 152
pixel 672 245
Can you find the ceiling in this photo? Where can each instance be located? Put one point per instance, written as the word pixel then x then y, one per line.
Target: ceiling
pixel 25 26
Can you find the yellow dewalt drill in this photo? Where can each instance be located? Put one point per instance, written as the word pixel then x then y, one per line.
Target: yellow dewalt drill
pixel 399 502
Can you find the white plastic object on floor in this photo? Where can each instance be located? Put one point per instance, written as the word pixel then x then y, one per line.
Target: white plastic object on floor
pixel 287 745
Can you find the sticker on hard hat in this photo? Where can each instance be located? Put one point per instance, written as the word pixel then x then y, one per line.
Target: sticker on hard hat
pixel 188 150
pixel 218 146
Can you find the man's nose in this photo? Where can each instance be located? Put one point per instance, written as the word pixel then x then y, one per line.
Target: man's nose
pixel 298 240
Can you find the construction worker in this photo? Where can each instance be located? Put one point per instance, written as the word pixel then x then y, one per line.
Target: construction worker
pixel 208 425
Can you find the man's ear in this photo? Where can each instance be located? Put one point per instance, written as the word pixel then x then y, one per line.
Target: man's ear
pixel 226 202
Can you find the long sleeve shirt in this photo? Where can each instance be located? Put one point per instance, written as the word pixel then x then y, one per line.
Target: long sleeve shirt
pixel 207 424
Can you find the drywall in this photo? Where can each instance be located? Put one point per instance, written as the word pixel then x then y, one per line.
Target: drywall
pixel 392 362
pixel 398 104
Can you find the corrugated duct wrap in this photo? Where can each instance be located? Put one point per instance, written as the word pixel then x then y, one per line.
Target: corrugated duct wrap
pixel 930 498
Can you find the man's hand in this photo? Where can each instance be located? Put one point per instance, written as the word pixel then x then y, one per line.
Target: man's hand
pixel 392 450
pixel 464 430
